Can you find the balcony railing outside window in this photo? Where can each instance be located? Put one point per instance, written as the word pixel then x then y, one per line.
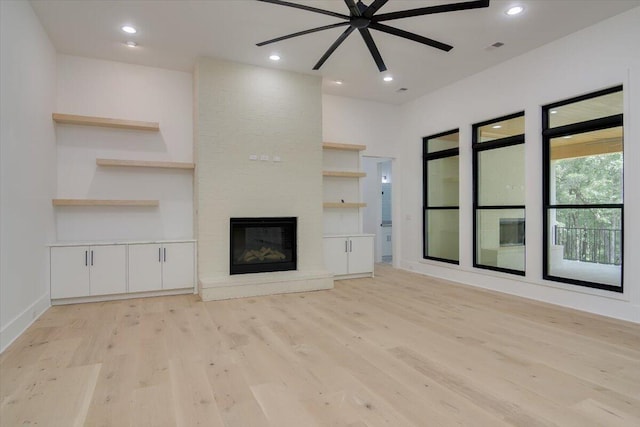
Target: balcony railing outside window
pixel 602 246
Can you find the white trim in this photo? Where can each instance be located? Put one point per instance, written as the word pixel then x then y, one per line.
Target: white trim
pixel 621 296
pixel 118 242
pixel 117 297
pixel 352 276
pixel 617 308
pixel 349 235
pixel 16 326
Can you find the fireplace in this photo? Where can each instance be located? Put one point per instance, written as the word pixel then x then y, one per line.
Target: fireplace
pixel 260 245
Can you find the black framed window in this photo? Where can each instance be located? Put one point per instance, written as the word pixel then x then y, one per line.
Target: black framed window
pixel 583 190
pixel 440 226
pixel 499 194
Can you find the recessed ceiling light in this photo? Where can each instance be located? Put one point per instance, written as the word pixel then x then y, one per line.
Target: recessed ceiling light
pixel 515 10
pixel 129 29
pixel 274 57
pixel 496 127
pixel 338 82
pixel 131 43
pixel 388 79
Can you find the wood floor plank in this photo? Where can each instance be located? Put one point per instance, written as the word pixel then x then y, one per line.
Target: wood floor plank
pixel 56 397
pixel 152 407
pixel 113 393
pixel 606 415
pixel 398 349
pixel 192 397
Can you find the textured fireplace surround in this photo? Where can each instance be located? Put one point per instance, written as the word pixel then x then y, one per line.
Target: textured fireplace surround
pixel 244 116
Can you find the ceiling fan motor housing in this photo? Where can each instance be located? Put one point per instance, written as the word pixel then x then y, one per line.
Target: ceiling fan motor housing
pixel 359 22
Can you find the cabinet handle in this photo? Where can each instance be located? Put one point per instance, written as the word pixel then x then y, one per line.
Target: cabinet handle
pixel 165 254
pixel 345 246
pixel 92 257
pixel 159 254
pixel 86 258
pixel 350 245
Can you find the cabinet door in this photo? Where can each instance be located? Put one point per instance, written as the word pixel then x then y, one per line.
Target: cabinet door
pixel 108 272
pixel 69 272
pixel 177 265
pixel 360 254
pixel 335 254
pixel 145 267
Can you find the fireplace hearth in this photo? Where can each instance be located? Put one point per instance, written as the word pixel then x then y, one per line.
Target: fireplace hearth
pixel 261 245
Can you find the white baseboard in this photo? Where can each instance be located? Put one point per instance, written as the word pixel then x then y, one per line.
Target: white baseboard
pixel 595 301
pixel 118 297
pixel 22 321
pixel 353 276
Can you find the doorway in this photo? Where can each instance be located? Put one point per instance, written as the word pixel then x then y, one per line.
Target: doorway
pixel 377 216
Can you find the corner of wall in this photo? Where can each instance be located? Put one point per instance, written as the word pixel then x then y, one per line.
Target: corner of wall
pixel 27 222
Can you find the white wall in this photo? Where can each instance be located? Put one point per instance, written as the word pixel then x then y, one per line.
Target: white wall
pixel 598 57
pixel 27 166
pixel 112 89
pixel 355 121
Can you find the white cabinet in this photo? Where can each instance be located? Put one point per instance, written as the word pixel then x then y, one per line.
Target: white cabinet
pixel 69 272
pixel 360 254
pixel 145 267
pixel 349 255
pixel 120 268
pixel 155 267
pixel 336 255
pixel 108 271
pixel 177 265
pixel 78 271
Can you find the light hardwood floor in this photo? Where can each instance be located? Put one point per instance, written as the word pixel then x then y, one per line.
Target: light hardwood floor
pixel 397 350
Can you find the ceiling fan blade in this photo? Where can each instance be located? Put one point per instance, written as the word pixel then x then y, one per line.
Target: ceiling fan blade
pixel 302 33
pixel 366 35
pixel 373 8
pixel 333 47
pixel 355 10
pixel 308 8
pixel 410 36
pixel 432 9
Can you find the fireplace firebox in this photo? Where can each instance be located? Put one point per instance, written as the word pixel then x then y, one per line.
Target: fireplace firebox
pixel 260 245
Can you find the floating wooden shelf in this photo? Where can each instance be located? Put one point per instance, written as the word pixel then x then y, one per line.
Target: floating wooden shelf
pixel 72 119
pixel 342 174
pixel 340 205
pixel 144 164
pixel 344 147
pixel 95 202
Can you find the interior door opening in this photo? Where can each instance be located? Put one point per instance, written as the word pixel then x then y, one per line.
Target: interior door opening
pixel 378 216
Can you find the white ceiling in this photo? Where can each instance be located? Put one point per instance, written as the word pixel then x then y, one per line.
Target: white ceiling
pixel 172 34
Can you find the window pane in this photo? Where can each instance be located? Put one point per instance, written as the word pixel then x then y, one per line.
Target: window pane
pixel 500 238
pixel 442 233
pixel 501 129
pixel 587 168
pixel 586 245
pixel 442 182
pixel 444 142
pixel 501 176
pixel 589 109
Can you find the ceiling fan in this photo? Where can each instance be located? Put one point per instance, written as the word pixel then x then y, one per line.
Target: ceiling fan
pixel 362 18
